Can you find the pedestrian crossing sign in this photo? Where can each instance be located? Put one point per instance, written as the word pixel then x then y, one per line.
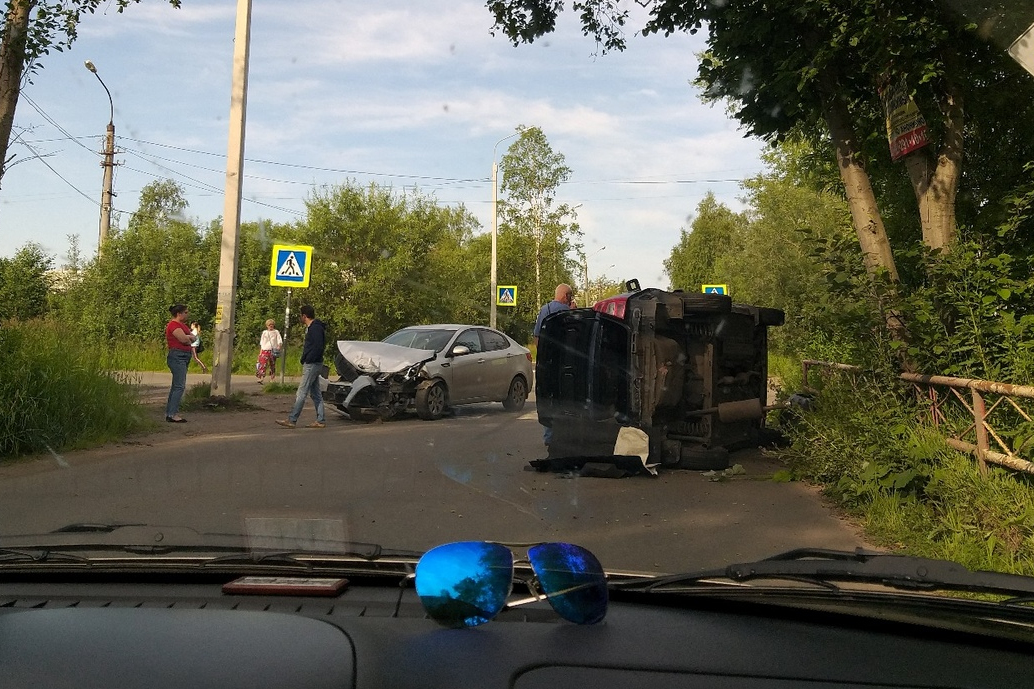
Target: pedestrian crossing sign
pixel 714 289
pixel 506 295
pixel 292 265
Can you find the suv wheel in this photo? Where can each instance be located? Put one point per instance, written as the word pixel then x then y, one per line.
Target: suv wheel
pixel 706 303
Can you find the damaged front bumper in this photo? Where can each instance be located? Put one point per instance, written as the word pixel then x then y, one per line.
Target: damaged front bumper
pixel 376 379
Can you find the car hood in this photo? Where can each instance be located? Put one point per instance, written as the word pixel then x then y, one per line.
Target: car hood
pixel 381 357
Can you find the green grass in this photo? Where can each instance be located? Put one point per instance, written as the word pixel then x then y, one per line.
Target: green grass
pixel 786 370
pixel 56 395
pixel 280 388
pixel 134 355
pixel 199 398
pixel 909 490
pixel 128 355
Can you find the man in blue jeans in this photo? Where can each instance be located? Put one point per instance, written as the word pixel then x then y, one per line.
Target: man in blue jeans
pixel 312 362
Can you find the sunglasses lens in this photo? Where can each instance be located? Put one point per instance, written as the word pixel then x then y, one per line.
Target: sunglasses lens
pixel 464 584
pixel 573 581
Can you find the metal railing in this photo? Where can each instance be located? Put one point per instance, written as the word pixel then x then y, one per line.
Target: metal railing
pixel 976 437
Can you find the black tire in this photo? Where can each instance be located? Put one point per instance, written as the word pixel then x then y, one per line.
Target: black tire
pixel 432 401
pixel 706 303
pixel 703 459
pixel 517 395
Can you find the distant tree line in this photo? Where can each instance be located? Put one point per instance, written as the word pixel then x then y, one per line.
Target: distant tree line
pixel 383 259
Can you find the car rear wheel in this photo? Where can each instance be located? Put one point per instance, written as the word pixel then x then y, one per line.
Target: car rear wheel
pixel 431 401
pixel 517 395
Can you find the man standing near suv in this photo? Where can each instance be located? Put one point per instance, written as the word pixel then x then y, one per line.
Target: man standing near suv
pixel 563 299
pixel 312 362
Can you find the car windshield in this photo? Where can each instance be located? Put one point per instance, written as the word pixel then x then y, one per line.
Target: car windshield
pixel 224 219
pixel 421 338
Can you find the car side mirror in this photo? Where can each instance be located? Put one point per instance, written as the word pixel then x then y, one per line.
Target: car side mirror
pixel 459 350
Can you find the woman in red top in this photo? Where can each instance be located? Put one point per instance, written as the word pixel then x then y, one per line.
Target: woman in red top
pixel 178 338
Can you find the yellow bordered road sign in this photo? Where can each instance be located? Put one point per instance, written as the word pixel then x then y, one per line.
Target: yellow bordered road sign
pixel 291 266
pixel 506 295
pixel 714 289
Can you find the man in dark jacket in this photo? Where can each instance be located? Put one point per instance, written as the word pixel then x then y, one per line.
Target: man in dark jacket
pixel 312 362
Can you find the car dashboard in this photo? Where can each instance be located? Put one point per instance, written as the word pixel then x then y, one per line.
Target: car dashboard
pixel 131 633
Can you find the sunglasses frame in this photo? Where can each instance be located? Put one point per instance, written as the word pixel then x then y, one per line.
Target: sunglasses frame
pixel 532 583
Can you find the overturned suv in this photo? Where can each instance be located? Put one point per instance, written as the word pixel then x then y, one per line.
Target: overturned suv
pixel 429 369
pixel 689 370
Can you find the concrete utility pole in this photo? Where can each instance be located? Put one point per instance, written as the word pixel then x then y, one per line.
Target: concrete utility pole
pixel 495 225
pixel 108 164
pixel 222 366
pixel 585 265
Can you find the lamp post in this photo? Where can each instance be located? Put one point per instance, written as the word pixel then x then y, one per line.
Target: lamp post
pixel 585 265
pixel 495 228
pixel 108 164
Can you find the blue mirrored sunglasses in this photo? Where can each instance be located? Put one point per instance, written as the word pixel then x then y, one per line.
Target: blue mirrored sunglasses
pixel 468 583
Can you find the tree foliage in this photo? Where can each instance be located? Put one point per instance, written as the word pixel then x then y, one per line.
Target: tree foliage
pixel 815 68
pixel 157 261
pixel 383 260
pixel 535 231
pixel 715 232
pixel 386 260
pixel 25 281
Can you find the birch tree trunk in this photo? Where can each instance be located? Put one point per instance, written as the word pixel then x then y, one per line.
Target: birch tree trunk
pixel 936 182
pixel 865 213
pixel 12 67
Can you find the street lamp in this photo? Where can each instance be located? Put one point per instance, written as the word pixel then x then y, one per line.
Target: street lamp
pixel 495 227
pixel 108 164
pixel 585 265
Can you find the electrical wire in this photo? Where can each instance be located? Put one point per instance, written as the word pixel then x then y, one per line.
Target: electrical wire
pixel 203 186
pixel 54 123
pixel 59 175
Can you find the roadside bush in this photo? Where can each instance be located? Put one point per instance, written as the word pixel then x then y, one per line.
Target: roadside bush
pixel 862 440
pixel 56 394
pixel 865 445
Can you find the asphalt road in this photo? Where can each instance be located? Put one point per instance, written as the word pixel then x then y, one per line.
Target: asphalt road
pixel 411 484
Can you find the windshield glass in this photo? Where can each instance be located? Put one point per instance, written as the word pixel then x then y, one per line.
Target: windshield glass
pixel 421 338
pixel 818 218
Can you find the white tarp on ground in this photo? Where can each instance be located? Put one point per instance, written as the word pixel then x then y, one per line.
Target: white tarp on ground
pixel 381 357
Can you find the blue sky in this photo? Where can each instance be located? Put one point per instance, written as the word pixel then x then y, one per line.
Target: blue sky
pixel 406 93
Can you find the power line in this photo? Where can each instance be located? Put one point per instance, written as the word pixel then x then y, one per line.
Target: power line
pixel 316 168
pixel 59 175
pixel 216 192
pixel 54 123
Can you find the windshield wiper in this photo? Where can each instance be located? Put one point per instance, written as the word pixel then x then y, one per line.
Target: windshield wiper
pixel 824 567
pixel 42 555
pixel 84 542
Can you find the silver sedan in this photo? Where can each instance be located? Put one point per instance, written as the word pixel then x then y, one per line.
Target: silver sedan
pixel 430 368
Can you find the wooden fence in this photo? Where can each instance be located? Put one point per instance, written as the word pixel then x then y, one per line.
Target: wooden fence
pixel 937 391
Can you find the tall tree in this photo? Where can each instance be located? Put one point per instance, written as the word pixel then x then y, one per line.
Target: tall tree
pixel 159 260
pixel 714 233
pixel 532 172
pixel 818 66
pixel 30 30
pixel 385 260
